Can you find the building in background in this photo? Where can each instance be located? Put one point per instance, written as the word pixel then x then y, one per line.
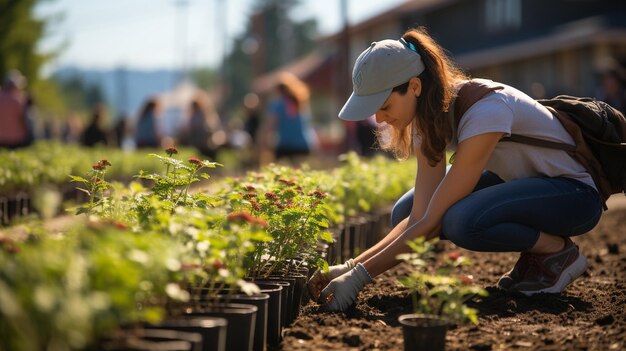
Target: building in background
pixel 542 47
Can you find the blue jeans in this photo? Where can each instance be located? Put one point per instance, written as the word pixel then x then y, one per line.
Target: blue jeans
pixel 503 216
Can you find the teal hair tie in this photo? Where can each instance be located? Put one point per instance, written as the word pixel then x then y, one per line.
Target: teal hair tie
pixel 408 45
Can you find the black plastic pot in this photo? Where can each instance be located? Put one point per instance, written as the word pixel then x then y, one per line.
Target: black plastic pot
pixel 286 298
pixel 291 306
pixel 151 340
pixel 274 321
pixel 298 292
pixel 423 332
pixel 260 328
pixel 241 322
pixel 212 330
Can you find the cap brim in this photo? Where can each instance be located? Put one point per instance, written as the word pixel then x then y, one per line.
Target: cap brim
pixel 360 107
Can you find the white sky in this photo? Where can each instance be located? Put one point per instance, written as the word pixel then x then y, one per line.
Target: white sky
pixel 145 34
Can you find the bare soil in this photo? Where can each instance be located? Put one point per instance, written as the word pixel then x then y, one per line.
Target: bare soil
pixel 589 315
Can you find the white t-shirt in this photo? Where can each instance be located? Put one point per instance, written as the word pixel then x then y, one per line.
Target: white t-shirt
pixel 512 112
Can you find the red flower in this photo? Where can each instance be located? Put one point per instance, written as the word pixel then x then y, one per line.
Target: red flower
pixel 255 205
pixel 195 161
pixel 237 216
pixel 98 167
pixel 249 188
pixel 189 266
pixel 9 245
pixel 271 195
pixel 278 205
pixel 467 279
pixel 454 255
pixel 120 225
pixel 286 181
pixel 217 264
pixel 171 151
pixel 249 196
pixel 318 194
pixel 104 162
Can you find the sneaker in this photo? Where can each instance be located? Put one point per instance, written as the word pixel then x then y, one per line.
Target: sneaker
pixel 552 273
pixel 516 274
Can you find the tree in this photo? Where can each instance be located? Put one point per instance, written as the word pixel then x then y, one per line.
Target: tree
pixel 20 33
pixel 205 78
pixel 279 40
pixel 79 95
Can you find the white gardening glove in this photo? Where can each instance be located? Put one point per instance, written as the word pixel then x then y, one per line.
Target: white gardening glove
pixel 342 291
pixel 320 279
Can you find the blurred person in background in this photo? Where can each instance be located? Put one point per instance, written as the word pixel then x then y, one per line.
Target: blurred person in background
pixel 286 130
pixel 14 127
pixel 251 104
pixel 95 133
pixel 147 129
pixel 121 133
pixel 72 128
pixel 204 129
pixel 612 78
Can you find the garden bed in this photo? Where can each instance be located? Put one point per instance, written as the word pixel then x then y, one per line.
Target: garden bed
pixel 590 315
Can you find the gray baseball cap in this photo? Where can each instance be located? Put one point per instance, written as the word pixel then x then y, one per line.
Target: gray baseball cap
pixel 381 67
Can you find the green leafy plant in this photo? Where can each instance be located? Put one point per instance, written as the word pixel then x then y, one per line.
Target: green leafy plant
pixel 297 221
pixel 443 292
pixel 63 291
pixel 96 186
pixel 173 186
pixel 216 248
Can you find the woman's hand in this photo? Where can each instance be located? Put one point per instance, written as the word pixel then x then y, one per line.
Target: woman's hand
pixel 342 291
pixel 320 279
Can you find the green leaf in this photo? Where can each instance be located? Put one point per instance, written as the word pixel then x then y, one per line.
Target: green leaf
pixel 78 179
pixel 327 236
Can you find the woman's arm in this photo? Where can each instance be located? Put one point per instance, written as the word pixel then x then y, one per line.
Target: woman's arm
pixel 427 179
pixel 471 158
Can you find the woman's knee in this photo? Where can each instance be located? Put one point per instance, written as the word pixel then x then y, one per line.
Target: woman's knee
pixel 457 227
pixel 402 208
pixel 398 213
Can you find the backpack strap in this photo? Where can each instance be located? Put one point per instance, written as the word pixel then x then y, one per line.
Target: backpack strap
pixel 469 93
pixel 472 91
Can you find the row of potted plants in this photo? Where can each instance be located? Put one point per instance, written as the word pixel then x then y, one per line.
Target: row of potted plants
pixel 257 235
pixel 49 162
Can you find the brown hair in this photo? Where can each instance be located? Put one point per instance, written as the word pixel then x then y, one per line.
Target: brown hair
pixel 438 90
pixel 293 88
